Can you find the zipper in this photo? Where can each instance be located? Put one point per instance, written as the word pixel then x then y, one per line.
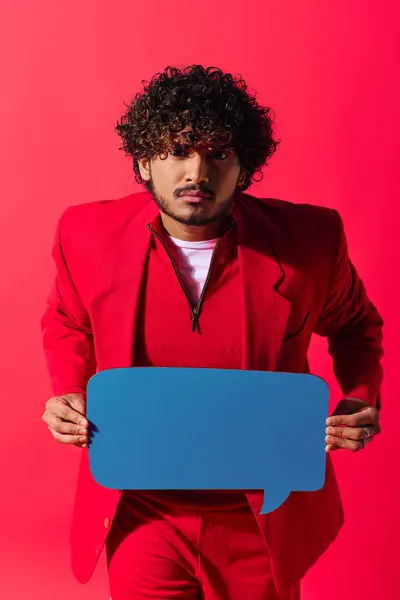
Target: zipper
pixel 194 310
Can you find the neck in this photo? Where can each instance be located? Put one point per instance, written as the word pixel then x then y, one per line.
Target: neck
pixel 192 233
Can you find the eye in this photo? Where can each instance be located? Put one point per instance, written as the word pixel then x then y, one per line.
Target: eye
pixel 219 154
pixel 178 151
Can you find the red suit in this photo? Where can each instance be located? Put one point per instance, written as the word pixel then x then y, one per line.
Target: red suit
pixel 296 279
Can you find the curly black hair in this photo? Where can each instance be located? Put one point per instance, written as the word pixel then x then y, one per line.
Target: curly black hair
pixel 213 107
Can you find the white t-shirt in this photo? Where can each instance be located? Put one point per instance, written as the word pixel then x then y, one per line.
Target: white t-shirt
pixel 193 262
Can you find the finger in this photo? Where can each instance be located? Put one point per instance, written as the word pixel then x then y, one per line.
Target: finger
pixel 77 440
pixel 352 433
pixel 78 403
pixel 60 408
pixel 366 416
pixel 331 448
pixel 65 427
pixel 377 429
pixel 345 444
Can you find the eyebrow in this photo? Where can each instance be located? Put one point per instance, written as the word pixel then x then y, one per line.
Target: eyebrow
pixel 185 143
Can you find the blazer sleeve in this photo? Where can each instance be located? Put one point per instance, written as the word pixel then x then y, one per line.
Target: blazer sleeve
pixel 353 327
pixel 67 335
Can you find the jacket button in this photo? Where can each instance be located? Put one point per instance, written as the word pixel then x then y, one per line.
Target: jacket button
pixel 106 522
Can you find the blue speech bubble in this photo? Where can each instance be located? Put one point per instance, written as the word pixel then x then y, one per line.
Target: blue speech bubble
pixel 179 428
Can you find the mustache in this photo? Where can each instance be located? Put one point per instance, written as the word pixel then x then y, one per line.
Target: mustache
pixel 204 189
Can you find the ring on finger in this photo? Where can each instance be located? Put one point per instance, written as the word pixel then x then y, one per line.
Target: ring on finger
pixel 367 433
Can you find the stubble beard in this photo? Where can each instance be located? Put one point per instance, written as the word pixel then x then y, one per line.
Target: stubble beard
pixel 195 218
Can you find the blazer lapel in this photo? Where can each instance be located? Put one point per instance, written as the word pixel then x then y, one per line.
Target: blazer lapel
pixel 114 306
pixel 266 308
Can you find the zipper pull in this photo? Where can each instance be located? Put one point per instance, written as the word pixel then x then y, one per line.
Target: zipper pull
pixel 195 319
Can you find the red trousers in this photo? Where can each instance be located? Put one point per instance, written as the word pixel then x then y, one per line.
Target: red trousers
pixel 156 552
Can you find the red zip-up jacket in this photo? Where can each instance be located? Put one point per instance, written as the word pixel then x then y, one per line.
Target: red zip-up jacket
pixel 296 280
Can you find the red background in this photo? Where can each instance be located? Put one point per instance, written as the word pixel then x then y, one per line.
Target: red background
pixel 331 72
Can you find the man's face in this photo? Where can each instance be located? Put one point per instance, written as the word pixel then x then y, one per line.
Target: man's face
pixel 194 186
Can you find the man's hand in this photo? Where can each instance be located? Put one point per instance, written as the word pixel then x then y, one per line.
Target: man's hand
pixel 350 424
pixel 65 418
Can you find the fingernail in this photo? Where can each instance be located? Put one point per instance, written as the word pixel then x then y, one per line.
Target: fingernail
pixel 82 432
pixel 84 445
pixel 83 423
pixel 329 421
pixel 82 440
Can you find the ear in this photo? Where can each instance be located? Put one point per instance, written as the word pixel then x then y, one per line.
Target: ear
pixel 242 178
pixel 144 168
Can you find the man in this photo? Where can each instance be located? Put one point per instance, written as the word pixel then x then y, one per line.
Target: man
pixel 193 272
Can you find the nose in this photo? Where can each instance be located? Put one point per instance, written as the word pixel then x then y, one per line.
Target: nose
pixel 197 168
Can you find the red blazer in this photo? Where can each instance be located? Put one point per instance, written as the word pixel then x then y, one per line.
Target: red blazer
pixel 297 280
